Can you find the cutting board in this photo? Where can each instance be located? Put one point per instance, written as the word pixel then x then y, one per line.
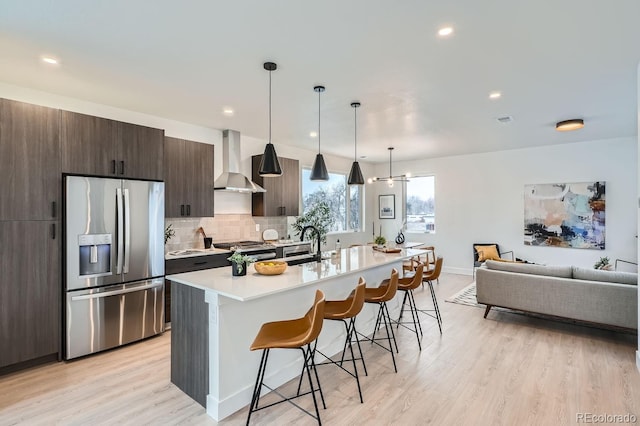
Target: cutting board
pixel 270 235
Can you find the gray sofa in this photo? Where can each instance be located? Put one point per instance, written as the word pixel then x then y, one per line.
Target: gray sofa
pixel 602 297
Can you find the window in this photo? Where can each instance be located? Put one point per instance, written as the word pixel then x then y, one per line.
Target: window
pixel 344 201
pixel 420 211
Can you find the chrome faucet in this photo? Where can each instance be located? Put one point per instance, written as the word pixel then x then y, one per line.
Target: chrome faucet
pixel 304 231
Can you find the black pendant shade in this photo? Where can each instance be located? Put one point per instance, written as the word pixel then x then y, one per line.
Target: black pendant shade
pixel 355 176
pixel 269 165
pixel 319 170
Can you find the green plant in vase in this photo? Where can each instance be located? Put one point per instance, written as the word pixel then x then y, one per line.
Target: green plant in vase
pixel 168 233
pixel 380 240
pixel 240 262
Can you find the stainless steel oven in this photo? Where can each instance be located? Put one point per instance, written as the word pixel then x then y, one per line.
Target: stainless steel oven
pixel 296 250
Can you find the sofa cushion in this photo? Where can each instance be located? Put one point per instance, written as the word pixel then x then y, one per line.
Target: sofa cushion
pixel 487 252
pixel 606 276
pixel 527 268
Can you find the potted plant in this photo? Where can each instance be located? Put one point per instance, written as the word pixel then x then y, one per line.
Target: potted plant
pixel 168 233
pixel 380 241
pixel 603 264
pixel 318 215
pixel 239 263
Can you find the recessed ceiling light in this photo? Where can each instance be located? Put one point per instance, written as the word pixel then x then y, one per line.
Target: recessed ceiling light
pixel 50 60
pixel 228 111
pixel 445 31
pixel 495 95
pixel 362 157
pixel 313 134
pixel 568 125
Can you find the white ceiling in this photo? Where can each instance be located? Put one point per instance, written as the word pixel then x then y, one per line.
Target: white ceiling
pixel 426 96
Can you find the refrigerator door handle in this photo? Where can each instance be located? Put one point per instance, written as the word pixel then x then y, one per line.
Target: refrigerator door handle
pixel 119 209
pixel 116 292
pixel 127 231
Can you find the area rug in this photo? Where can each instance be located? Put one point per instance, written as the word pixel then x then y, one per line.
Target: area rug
pixel 466 296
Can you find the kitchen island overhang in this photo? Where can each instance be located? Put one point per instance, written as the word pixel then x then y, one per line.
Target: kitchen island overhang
pixel 216 316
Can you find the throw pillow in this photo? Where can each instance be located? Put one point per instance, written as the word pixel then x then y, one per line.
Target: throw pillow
pixel 487 253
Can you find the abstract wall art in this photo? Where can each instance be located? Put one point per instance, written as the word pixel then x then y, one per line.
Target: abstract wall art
pixel 565 215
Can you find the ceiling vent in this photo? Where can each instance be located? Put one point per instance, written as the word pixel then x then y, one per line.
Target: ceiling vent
pixel 504 120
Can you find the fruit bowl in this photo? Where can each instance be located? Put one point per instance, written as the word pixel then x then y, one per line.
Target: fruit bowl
pixel 270 267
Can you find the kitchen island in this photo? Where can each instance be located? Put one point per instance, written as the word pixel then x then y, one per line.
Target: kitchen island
pixel 215 317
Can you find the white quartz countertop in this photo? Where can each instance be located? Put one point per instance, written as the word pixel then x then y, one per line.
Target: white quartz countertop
pixel 254 285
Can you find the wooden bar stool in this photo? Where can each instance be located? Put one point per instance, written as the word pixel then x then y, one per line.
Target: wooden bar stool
pixel 408 285
pixel 300 334
pixel 381 295
pixel 343 310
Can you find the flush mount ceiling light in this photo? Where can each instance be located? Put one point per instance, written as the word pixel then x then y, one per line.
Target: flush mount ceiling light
pixel 495 95
pixel 391 178
pixel 355 176
pixel 568 125
pixel 227 111
pixel 319 170
pixel 269 165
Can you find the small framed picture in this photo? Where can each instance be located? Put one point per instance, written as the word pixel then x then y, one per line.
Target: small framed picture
pixel 387 206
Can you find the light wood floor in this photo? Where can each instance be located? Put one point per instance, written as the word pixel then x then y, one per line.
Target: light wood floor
pixel 509 369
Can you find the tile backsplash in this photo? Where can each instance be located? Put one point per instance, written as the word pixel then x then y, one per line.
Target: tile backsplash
pixel 222 227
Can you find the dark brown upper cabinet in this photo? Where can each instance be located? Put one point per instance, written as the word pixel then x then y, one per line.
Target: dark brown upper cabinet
pixel 30 153
pixel 283 193
pixel 99 146
pixel 189 178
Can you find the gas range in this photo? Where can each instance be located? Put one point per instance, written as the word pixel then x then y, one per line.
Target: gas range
pixel 245 246
pixel 255 249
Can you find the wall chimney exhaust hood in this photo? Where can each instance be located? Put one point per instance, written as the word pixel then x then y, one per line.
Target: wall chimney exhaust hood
pixel 231 179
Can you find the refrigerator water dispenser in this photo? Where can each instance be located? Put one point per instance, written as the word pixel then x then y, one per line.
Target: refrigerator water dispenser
pixel 95 255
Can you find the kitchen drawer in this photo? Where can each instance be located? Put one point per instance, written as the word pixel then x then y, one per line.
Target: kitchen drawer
pixel 197 263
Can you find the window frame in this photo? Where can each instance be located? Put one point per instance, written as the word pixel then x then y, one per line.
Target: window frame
pixel 347 197
pixel 405 195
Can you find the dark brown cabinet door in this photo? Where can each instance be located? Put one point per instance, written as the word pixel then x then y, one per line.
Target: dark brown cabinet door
pixel 173 177
pixel 290 187
pixel 88 144
pixel 140 151
pixel 189 178
pixel 29 290
pixel 200 178
pixel 283 192
pixel 30 172
pixel 99 146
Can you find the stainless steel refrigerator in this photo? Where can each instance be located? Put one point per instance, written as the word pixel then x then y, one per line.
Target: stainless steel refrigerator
pixel 114 262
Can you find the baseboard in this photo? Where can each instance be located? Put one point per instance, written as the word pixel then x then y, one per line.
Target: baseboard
pixel 457 271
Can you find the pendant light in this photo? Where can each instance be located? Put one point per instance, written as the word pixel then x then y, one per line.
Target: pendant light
pixel 391 178
pixel 319 170
pixel 355 176
pixel 269 165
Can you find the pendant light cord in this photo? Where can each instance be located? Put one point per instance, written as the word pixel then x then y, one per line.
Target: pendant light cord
pixel 319 92
pixel 269 106
pixel 355 134
pixel 390 174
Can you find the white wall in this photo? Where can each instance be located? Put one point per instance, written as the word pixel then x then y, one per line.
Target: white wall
pixel 479 198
